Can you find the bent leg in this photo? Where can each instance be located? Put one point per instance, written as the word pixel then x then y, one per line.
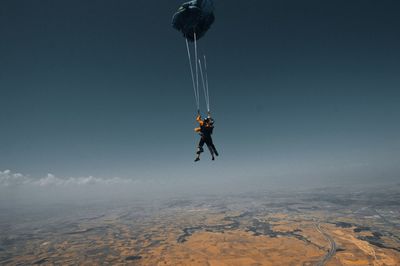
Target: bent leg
pixel 211 143
pixel 199 149
pixel 200 146
pixel 209 146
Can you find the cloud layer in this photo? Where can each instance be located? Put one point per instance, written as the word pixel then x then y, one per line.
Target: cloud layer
pixel 8 178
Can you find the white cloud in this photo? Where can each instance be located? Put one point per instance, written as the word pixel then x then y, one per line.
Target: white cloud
pixel 8 178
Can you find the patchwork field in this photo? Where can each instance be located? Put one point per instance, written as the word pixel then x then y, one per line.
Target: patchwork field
pixel 320 227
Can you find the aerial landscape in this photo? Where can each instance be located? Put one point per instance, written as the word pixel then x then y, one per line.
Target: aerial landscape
pixel 200 132
pixel 328 226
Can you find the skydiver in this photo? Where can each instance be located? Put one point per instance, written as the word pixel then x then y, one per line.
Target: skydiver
pixel 205 131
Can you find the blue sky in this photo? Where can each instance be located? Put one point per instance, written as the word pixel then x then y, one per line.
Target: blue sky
pixel 298 89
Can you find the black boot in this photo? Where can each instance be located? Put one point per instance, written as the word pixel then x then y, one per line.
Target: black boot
pixel 212 154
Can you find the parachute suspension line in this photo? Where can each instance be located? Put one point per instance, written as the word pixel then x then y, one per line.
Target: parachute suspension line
pixel 208 92
pixel 203 75
pixel 204 87
pixel 196 96
pixel 197 72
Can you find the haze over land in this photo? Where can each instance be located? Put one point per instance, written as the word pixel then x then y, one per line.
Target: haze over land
pixel 324 226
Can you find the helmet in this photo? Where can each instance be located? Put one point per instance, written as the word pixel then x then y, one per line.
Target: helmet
pixel 209 120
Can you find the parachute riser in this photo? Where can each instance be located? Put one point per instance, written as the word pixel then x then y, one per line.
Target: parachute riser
pixel 204 87
pixel 196 95
pixel 195 76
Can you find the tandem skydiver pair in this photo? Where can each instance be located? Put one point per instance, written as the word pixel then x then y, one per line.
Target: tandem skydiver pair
pixel 205 130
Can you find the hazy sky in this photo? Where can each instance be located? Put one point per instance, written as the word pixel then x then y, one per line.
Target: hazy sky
pixel 298 89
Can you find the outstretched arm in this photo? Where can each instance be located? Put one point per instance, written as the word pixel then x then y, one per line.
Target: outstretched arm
pixel 198 119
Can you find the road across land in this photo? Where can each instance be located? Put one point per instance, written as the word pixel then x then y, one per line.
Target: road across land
pixel 332 244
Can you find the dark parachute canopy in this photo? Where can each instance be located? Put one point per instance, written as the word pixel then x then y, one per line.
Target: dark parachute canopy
pixel 194 17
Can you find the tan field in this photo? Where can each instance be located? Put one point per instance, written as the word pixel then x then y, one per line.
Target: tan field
pixel 274 230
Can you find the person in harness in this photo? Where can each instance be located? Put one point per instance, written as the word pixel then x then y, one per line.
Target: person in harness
pixel 205 131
